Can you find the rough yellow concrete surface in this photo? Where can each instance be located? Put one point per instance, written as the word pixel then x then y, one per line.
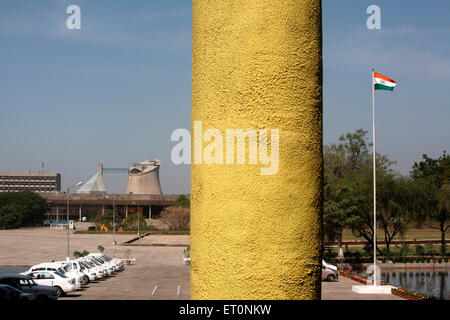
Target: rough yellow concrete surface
pixel 258 64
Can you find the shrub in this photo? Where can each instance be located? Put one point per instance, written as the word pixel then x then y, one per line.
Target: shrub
pixel 100 248
pixel 429 249
pixel 78 254
pixel 420 251
pixel 176 218
pixel 329 253
pixel 404 249
pixel 106 219
pixel 130 223
pixel 187 252
pixel 368 249
pixel 182 201
pixel 92 215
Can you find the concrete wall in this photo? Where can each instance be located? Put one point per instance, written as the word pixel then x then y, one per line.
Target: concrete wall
pixel 258 64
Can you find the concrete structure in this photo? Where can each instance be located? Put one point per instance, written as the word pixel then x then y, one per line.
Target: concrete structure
pixel 95 185
pixel 30 181
pixel 143 178
pixel 81 205
pixel 371 289
pixel 342 290
pixel 258 64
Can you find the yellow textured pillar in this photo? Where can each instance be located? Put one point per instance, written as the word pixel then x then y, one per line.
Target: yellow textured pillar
pixel 258 64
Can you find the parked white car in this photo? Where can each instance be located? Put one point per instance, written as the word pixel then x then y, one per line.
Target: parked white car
pixel 89 271
pixel 109 265
pixel 108 270
pixel 73 267
pixel 98 269
pixel 61 282
pixel 47 266
pixel 56 267
pixel 329 266
pixel 117 263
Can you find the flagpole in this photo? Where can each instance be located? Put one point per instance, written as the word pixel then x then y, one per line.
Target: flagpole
pixel 374 185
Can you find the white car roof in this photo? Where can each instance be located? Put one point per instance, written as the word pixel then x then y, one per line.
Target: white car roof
pixel 47 264
pixel 67 261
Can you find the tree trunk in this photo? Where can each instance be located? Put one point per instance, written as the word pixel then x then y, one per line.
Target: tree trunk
pixel 442 240
pixel 388 251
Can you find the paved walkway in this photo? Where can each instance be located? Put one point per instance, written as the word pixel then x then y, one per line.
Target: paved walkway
pixel 342 290
pixel 163 240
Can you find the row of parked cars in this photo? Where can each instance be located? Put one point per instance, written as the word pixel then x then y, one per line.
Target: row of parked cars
pixel 49 281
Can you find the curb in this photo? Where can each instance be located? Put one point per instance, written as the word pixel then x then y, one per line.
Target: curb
pixel 130 243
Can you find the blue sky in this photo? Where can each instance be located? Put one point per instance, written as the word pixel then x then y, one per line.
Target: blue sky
pixel 114 91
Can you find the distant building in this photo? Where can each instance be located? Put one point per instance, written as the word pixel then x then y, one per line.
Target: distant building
pixel 95 185
pixel 83 205
pixel 30 181
pixel 143 178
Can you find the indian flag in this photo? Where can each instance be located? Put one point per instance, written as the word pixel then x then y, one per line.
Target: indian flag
pixel 383 83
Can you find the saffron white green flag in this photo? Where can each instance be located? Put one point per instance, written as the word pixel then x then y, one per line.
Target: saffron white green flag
pixel 383 83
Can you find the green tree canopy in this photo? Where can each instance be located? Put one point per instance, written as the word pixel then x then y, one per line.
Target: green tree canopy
pixel 182 201
pixel 21 209
pixel 433 178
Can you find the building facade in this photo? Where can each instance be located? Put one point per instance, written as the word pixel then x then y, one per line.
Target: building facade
pixel 83 205
pixel 30 181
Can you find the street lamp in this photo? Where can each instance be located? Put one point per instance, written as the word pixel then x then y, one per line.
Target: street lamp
pixel 114 219
pixel 138 216
pixel 67 213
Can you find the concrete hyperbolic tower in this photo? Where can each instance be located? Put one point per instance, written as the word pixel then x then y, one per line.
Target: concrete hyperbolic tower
pixel 143 177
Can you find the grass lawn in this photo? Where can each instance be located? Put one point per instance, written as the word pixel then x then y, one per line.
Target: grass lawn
pixel 395 250
pixel 134 232
pixel 412 233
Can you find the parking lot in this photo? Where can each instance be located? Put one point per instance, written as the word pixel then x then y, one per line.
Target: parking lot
pixel 159 272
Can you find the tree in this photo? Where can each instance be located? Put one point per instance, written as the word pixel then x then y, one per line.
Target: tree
pixel 338 207
pixel 106 219
pixel 92 215
pixel 397 201
pixel 341 161
pixel 361 193
pixel 176 218
pixel 21 209
pixel 437 171
pixel 344 164
pixel 182 201
pixel 9 219
pixel 433 178
pixel 355 145
pixel 131 222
